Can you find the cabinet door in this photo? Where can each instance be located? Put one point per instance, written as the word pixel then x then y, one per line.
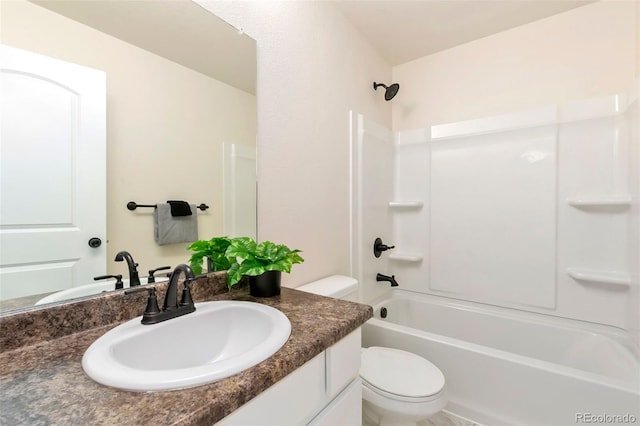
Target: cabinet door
pixel 344 410
pixel 289 402
pixel 343 362
pixel 310 390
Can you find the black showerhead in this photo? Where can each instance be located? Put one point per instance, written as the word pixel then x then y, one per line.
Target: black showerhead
pixel 390 91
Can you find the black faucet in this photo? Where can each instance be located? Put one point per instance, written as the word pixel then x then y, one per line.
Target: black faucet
pixel 134 278
pixel 171 307
pixel 391 279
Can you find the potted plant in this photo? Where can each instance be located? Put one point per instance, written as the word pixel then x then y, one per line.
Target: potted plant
pixel 263 263
pixel 214 250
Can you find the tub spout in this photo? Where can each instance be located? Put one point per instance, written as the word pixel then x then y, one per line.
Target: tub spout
pixel 391 279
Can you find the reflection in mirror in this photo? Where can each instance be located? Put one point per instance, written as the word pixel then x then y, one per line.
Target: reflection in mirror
pixel 180 124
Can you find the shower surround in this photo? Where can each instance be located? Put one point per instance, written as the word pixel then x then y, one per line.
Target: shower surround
pixel 533 211
pixel 510 182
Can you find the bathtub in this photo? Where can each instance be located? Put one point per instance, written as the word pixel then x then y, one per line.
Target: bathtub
pixel 508 367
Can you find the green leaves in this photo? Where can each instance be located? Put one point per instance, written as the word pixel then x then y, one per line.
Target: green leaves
pixel 241 247
pixel 214 249
pixel 243 256
pixel 249 258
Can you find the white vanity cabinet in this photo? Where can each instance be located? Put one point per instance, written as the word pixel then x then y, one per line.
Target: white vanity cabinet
pixel 325 391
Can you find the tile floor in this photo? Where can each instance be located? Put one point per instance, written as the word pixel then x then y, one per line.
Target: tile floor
pixel 443 418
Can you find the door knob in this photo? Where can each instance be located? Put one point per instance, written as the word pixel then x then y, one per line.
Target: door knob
pixel 95 242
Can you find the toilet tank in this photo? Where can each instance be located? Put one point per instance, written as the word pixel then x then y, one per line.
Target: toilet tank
pixel 338 286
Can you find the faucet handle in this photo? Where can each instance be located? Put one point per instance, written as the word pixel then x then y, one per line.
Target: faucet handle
pixel 118 277
pixel 151 278
pixel 379 247
pixel 186 299
pixel 152 309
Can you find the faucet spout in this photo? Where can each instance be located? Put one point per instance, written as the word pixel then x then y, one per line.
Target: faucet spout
pixel 171 297
pixel 391 279
pixel 171 308
pixel 134 278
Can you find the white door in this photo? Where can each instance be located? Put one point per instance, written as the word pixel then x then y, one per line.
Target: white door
pixel 52 173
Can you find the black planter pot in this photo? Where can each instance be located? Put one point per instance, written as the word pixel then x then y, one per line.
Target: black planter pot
pixel 265 285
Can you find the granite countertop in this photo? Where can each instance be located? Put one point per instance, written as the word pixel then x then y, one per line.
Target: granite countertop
pixel 42 381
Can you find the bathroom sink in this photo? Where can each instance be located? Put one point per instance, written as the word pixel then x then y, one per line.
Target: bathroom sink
pixel 90 290
pixel 218 340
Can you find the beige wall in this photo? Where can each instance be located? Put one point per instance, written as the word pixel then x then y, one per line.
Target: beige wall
pixel 165 127
pixel 313 67
pixel 321 68
pixel 585 52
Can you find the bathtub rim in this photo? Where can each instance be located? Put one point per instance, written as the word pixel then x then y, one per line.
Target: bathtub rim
pixel 560 369
pixel 619 335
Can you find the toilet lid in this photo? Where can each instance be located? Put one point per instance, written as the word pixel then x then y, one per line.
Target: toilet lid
pixel 400 372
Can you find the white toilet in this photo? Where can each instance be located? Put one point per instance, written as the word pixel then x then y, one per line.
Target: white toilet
pixel 398 387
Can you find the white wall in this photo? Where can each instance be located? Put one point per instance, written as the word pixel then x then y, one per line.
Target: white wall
pixel 165 128
pixel 586 52
pixel 313 68
pixel 372 159
pixel 633 163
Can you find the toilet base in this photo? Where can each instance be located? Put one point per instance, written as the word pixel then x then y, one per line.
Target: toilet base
pixel 380 411
pixel 396 423
pixel 370 418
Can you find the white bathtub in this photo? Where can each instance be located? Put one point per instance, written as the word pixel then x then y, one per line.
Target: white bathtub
pixel 504 366
pixel 90 290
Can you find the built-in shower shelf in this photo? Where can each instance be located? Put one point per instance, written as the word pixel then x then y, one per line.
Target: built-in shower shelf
pixel 600 277
pixel 406 257
pixel 604 200
pixel 406 204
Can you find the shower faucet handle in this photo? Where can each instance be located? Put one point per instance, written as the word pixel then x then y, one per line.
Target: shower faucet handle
pixel 379 247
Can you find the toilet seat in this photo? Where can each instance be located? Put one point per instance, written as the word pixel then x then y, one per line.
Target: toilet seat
pixel 400 398
pixel 400 375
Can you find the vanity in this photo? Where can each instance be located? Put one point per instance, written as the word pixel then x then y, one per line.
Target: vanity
pixel 312 379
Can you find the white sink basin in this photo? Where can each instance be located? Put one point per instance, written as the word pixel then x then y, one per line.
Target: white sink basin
pixel 90 290
pixel 218 340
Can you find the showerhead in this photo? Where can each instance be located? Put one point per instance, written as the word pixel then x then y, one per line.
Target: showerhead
pixel 390 91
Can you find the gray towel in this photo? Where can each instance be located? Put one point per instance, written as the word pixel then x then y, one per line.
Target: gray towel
pixel 174 229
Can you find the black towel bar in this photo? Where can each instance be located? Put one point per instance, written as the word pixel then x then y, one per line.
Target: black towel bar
pixel 132 205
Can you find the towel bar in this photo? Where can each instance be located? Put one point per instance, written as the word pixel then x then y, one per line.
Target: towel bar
pixel 132 205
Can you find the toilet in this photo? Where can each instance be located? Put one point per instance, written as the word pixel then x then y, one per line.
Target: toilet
pixel 399 388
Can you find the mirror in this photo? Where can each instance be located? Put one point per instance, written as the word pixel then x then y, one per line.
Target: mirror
pixel 180 109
